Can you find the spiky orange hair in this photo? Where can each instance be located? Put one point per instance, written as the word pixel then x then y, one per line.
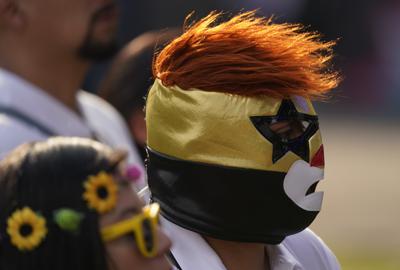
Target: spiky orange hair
pixel 248 55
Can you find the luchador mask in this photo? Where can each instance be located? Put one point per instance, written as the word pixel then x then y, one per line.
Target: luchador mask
pixel 218 164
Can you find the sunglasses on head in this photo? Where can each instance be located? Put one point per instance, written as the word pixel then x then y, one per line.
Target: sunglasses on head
pixel 144 229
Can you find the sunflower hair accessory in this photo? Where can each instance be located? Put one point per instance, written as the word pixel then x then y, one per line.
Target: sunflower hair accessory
pixel 26 229
pixel 68 219
pixel 100 192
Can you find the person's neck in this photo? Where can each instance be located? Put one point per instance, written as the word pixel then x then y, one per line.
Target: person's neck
pixel 239 256
pixel 60 77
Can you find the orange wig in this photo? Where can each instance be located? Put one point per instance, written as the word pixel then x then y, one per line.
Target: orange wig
pixel 250 56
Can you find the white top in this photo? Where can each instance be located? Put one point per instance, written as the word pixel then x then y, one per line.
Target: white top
pixel 98 118
pixel 302 251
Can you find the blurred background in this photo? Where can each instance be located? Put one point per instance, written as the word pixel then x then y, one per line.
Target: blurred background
pixel 360 123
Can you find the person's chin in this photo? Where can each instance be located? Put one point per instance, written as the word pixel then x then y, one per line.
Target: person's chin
pixel 98 51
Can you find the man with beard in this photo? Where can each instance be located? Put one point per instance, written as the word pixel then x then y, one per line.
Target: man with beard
pixel 46 48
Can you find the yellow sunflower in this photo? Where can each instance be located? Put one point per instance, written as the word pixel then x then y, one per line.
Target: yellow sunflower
pixel 101 192
pixel 26 229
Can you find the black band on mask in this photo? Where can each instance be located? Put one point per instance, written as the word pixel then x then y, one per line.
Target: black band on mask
pixel 234 204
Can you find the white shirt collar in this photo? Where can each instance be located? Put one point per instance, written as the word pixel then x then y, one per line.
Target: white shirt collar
pixel 281 258
pixel 25 97
pixel 190 249
pixel 192 252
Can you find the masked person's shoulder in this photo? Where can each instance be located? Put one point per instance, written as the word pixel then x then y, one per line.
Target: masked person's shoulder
pixel 311 251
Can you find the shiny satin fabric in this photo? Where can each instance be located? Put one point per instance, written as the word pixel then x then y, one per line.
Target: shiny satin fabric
pixel 211 166
pixel 233 204
pixel 215 128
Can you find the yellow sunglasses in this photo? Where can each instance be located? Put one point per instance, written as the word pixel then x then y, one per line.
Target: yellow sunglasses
pixel 143 226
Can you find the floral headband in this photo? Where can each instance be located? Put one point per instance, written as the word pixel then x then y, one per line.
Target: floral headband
pixel 28 229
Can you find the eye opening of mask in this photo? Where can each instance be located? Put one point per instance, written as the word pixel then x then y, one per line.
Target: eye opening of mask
pixel 289 129
pixel 287 133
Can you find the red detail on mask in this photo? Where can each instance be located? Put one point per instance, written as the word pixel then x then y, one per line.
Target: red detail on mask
pixel 318 159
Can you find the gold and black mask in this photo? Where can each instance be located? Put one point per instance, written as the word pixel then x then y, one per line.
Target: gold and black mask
pixel 234 167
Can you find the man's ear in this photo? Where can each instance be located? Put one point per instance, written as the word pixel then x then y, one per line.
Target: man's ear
pixel 10 14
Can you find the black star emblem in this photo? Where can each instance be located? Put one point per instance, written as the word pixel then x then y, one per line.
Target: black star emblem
pixel 281 145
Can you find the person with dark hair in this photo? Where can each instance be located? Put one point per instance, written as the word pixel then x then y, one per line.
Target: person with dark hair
pixel 67 203
pixel 125 86
pixel 46 48
pixel 234 146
